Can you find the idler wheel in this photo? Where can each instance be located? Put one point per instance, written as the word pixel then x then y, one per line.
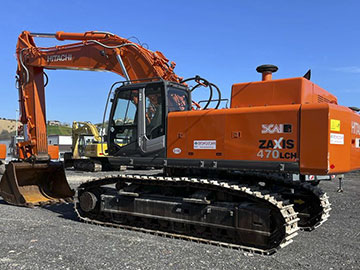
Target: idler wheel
pixel 87 201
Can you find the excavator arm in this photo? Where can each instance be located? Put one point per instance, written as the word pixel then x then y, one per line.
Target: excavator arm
pixel 97 51
pixel 36 180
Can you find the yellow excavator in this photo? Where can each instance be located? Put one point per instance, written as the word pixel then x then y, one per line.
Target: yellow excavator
pixel 89 152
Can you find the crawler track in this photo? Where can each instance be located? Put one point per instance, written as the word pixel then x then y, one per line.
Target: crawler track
pixel 324 203
pixel 317 209
pixel 310 202
pixel 285 232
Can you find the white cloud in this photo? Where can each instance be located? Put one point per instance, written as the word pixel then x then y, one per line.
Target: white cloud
pixel 350 69
pixel 351 91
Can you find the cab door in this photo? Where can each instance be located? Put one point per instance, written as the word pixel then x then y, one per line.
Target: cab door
pixel 137 120
pixel 122 130
pixel 152 130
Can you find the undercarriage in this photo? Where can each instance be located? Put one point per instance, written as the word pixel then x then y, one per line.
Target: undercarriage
pixel 255 216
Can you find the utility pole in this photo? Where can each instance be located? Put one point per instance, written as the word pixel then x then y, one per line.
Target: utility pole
pixel 16 121
pixel 16 132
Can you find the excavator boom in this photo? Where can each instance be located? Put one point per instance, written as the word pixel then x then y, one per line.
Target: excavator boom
pixel 96 52
pixel 31 181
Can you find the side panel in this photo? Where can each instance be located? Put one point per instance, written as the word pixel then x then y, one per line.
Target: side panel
pixel 176 135
pixel 264 134
pixel 205 135
pixel 355 141
pixel 329 134
pixel 339 139
pixel 314 138
pixel 321 138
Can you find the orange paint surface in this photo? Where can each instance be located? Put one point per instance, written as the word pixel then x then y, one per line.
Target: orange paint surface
pixel 289 120
pixel 2 151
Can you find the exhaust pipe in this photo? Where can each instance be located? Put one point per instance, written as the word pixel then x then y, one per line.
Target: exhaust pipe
pixel 267 71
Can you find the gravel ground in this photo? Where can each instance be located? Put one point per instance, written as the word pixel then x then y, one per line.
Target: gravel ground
pixel 53 238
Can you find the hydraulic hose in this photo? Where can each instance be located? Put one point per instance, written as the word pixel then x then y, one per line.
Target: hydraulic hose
pixel 205 83
pixel 210 96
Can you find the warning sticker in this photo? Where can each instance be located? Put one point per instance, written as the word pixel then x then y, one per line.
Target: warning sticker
pixel 335 125
pixel 336 138
pixel 205 144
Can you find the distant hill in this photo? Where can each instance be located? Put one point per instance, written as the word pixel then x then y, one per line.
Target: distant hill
pixel 7 129
pixel 8 124
pixel 58 130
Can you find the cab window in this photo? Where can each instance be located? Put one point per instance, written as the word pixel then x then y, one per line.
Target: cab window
pixel 125 116
pixel 154 112
pixel 178 100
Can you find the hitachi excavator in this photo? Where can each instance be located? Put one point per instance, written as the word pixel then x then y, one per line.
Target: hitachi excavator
pixel 228 173
pixel 88 149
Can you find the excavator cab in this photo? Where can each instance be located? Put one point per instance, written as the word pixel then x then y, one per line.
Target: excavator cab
pixel 137 124
pixel 137 127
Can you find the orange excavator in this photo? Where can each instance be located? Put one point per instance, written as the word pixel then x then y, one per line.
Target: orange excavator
pixel 233 177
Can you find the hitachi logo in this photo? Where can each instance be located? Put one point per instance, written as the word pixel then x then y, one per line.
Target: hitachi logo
pixel 59 57
pixel 355 128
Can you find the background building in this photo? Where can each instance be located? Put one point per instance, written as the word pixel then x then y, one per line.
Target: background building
pixel 63 141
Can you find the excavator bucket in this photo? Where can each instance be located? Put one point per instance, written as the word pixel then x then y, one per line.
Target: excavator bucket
pixel 29 184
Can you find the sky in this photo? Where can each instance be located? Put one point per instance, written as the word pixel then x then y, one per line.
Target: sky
pixel 222 41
